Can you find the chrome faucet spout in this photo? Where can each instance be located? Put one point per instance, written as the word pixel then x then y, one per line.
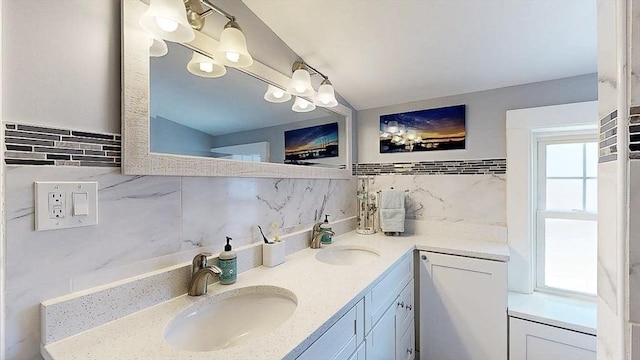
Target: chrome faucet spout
pixel 200 274
pixel 316 235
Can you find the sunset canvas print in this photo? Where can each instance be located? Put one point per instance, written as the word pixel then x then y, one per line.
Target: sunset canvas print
pixel 423 130
pixel 316 142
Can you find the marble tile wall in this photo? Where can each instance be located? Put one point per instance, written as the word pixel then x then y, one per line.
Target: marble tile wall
pixel 144 223
pixel 459 201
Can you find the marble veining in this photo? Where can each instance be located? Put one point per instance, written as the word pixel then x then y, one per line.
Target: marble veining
pixel 142 227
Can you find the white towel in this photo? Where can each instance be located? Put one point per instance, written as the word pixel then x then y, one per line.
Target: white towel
pixel 392 211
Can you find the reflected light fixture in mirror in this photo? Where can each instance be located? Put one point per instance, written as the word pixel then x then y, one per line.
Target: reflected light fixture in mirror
pixel 302 105
pixel 167 19
pixel 205 66
pixel 276 95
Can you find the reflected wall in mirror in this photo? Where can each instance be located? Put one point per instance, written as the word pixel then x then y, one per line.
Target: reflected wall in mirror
pixel 191 126
pixel 227 117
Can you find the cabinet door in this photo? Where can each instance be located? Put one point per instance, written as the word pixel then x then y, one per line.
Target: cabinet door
pixel 463 308
pixel 341 340
pixel 381 341
pixel 405 346
pixel 533 341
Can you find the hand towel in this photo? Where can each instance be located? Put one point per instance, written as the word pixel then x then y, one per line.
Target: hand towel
pixel 392 211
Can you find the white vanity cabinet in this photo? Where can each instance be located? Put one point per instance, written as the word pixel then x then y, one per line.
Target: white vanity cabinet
pixel 380 326
pixel 529 340
pixel 463 307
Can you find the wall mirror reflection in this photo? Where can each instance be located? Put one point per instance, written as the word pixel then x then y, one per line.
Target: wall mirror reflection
pixel 226 117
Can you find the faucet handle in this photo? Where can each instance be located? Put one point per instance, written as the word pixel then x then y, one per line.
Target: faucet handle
pixel 199 262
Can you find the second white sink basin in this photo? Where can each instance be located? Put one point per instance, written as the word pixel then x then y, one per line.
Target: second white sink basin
pixel 230 318
pixel 347 255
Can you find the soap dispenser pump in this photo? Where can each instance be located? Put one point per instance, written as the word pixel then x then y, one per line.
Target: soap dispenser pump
pixel 228 263
pixel 326 238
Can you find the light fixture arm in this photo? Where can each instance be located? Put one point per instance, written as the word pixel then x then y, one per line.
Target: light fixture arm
pixel 303 65
pixel 214 8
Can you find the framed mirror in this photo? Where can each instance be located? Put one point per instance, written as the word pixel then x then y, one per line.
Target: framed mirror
pixel 176 123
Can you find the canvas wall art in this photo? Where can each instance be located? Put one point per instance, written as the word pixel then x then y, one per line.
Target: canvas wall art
pixel 315 142
pixel 423 130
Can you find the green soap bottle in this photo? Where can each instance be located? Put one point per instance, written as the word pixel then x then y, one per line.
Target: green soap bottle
pixel 228 263
pixel 326 238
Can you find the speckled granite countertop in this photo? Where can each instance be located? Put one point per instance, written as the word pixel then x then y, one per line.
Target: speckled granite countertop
pixel 324 293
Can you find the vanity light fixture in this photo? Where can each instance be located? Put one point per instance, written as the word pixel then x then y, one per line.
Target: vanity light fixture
pixel 300 84
pixel 204 66
pixel 157 47
pixel 326 95
pixel 276 95
pixel 302 105
pixel 232 50
pixel 167 20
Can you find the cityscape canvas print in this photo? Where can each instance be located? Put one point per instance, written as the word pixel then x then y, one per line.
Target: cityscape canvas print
pixel 316 142
pixel 423 130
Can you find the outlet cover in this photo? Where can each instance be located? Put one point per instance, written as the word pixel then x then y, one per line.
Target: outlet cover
pixel 62 204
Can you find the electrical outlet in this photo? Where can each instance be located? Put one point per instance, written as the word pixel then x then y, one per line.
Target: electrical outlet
pixel 57 205
pixel 61 204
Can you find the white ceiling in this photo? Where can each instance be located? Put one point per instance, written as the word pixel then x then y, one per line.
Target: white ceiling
pixel 386 52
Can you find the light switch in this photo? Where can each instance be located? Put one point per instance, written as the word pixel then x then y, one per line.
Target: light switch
pixel 62 204
pixel 80 204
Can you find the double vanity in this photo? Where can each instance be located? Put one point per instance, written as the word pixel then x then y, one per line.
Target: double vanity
pixel 353 299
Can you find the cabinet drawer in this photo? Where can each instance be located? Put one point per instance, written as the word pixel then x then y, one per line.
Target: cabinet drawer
pixel 382 295
pixel 341 340
pixel 404 309
pixel 406 346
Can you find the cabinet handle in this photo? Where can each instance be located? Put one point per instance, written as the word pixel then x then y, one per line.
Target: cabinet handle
pixel 401 304
pixel 409 351
pixel 424 257
pixel 409 307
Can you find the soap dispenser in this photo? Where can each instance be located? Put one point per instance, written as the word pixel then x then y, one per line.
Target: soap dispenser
pixel 228 263
pixel 326 238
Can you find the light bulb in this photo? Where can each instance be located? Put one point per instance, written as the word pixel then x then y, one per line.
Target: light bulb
pixel 232 56
pixel 206 67
pixel 167 25
pixel 300 89
pixel 278 94
pixel 303 104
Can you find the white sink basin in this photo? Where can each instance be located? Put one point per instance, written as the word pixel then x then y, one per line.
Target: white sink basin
pixel 347 255
pixel 230 318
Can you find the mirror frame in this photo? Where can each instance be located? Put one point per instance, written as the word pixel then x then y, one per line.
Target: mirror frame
pixel 137 159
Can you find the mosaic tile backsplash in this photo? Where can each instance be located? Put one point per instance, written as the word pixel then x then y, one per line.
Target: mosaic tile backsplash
pixel 608 137
pixel 634 132
pixel 37 145
pixel 436 167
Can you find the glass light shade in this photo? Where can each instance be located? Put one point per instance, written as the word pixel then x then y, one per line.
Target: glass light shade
pixel 302 105
pixel 157 47
pixel 301 83
pixel 276 95
pixel 326 96
pixel 392 127
pixel 232 50
pixel 167 19
pixel 200 65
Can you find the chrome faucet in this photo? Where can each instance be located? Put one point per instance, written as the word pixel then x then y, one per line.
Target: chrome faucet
pixel 316 235
pixel 200 273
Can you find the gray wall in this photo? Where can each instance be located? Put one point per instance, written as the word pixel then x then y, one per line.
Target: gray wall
pixel 274 135
pixel 486 136
pixel 169 137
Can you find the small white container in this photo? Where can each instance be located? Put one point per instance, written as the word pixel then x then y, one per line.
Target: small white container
pixel 273 254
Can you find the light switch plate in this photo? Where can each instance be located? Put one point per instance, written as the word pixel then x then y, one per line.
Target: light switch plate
pixel 56 204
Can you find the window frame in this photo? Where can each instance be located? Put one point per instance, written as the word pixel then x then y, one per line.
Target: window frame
pixel 539 215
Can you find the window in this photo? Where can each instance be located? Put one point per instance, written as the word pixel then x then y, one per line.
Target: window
pixel 566 214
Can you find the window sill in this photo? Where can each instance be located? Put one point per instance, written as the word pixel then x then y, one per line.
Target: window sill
pixel 559 311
